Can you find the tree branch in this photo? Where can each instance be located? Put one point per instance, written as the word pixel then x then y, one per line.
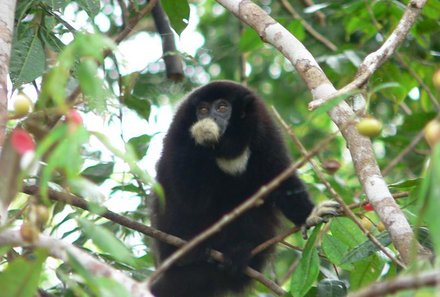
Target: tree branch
pixel 7 8
pixel 63 251
pixel 406 282
pixel 173 62
pixel 342 115
pixel 144 229
pixel 335 194
pixel 315 34
pixel 249 203
pixel 374 60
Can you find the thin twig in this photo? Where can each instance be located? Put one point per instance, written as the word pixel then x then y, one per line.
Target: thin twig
pixel 279 237
pixel 249 203
pixel 319 14
pixel 315 34
pixel 144 229
pixel 422 84
pixel 335 194
pixel 403 153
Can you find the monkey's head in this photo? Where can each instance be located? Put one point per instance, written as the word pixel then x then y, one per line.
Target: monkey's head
pixel 221 109
pixel 221 121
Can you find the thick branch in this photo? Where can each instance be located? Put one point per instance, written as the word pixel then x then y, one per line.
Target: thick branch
pixel 406 282
pixel 7 8
pixel 336 196
pixel 173 62
pixel 360 147
pixel 63 251
pixel 149 231
pixel 374 60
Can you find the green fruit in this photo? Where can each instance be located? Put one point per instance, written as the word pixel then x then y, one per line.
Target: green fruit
pixel 369 127
pixel 22 105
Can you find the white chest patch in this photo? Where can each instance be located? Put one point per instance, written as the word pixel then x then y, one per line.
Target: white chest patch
pixel 235 166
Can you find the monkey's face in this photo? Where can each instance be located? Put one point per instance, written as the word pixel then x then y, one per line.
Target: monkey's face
pixel 212 121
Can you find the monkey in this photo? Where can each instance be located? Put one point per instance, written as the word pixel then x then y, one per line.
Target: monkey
pixel 222 147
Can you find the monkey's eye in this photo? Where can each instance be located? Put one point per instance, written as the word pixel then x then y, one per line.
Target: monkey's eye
pixel 203 110
pixel 222 106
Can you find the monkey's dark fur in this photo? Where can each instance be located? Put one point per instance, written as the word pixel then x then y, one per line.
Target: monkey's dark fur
pixel 198 192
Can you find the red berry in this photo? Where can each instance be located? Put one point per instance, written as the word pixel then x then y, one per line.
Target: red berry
pixel 368 207
pixel 74 117
pixel 22 141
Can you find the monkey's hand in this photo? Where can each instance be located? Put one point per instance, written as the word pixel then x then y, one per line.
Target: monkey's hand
pixel 319 214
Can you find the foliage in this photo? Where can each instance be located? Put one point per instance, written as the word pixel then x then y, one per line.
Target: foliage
pixel 103 167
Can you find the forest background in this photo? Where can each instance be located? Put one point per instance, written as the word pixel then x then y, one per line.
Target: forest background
pixel 86 93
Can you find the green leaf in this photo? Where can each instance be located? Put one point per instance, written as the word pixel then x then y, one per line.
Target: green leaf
pixel 28 60
pixel 424 238
pixel 127 188
pixel 366 272
pixel 332 103
pixel 140 145
pixel 106 241
pixel 335 250
pixel 366 249
pixel 99 173
pixel 22 9
pixel 431 189
pixel 345 230
pixel 332 288
pixel 385 86
pixel 92 85
pixel 249 40
pixel 4 250
pixel 65 156
pixel 92 7
pixel 297 29
pixel 110 288
pixel 141 106
pixel 52 41
pixel 21 277
pixel 308 268
pixel 92 45
pixel 416 121
pixel 57 4
pixel 177 12
pixel 410 183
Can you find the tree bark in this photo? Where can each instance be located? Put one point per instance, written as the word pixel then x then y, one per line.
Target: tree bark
pixel 342 114
pixel 7 12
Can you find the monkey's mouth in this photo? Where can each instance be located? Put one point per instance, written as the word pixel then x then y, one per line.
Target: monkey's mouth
pixel 205 132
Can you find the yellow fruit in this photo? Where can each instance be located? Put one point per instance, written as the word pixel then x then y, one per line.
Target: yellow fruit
pixel 42 214
pixel 380 227
pixel 436 79
pixel 22 105
pixel 432 132
pixel 369 127
pixel 29 232
pixel 366 223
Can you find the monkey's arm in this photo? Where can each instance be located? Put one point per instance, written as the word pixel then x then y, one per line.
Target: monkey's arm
pixel 294 202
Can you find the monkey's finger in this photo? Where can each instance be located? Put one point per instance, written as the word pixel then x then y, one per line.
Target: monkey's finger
pixel 304 229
